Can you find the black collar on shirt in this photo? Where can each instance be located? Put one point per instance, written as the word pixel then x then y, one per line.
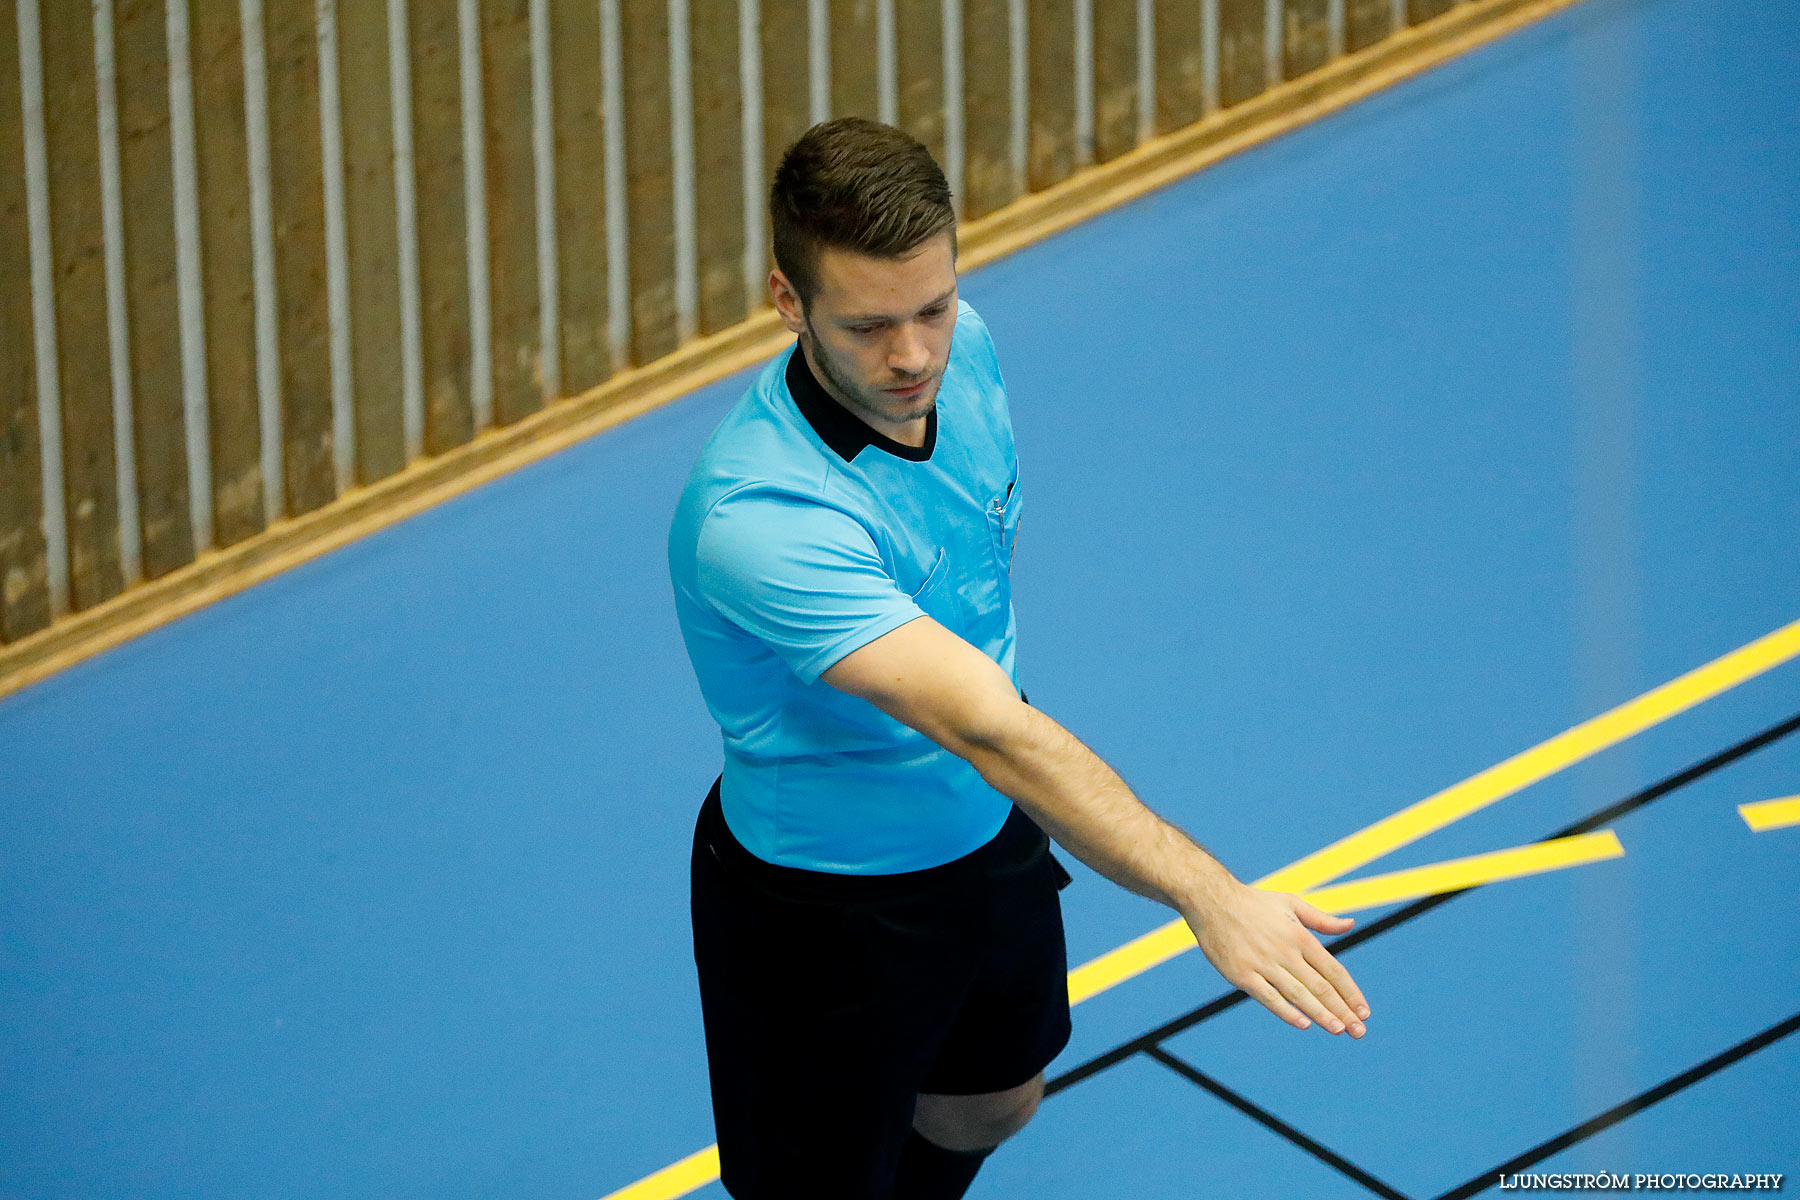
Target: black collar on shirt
pixel 841 429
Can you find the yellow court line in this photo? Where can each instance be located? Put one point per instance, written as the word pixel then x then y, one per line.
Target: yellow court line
pixel 1454 874
pixel 1161 944
pixel 1456 802
pixel 677 1179
pixel 1771 814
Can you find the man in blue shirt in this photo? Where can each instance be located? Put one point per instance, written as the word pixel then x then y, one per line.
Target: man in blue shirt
pixel 876 923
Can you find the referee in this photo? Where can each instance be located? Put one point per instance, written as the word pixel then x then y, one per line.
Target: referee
pixel 876 925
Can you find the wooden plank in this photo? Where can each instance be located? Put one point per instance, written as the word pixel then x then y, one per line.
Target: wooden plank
pixel 649 179
pixel 1305 37
pixel 1115 78
pixel 512 209
pixel 987 107
pixel 1242 68
pixel 24 568
pixel 1424 10
pixel 919 68
pixel 152 307
pixel 217 55
pixel 1180 66
pixel 297 211
pixel 1366 22
pixel 854 79
pixel 580 140
pixel 718 164
pixel 377 377
pixel 1050 148
pixel 443 226
pixel 84 360
pixel 786 106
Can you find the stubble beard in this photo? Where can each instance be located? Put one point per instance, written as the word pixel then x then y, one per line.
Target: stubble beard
pixel 847 392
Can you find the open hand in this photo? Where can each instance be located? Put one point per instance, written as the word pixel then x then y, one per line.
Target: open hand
pixel 1260 941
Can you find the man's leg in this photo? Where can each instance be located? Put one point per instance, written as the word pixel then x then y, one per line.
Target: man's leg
pixel 817 1035
pixel 953 1135
pixel 1014 1020
pixel 978 1123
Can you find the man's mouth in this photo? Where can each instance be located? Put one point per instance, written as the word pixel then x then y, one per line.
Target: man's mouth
pixel 907 393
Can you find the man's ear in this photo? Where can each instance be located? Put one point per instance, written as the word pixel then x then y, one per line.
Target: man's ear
pixel 787 302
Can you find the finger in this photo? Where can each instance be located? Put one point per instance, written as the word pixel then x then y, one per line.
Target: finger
pixel 1326 964
pixel 1301 997
pixel 1328 995
pixel 1265 994
pixel 1318 919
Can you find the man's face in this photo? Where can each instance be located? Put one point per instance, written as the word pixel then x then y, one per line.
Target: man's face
pixel 877 333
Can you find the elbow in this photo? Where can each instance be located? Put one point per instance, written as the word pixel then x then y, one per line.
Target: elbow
pixel 988 728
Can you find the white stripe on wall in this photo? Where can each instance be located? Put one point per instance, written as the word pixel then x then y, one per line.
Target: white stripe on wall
pixel 481 332
pixel 337 255
pixel 953 101
pixel 1146 70
pixel 818 59
pixel 43 307
pixel 1397 16
pixel 1272 71
pixel 1018 38
pixel 543 160
pixel 406 231
pixel 1209 55
pixel 1084 82
pixel 681 162
pixel 196 413
pixel 262 260
pixel 112 219
pixel 756 253
pixel 1334 23
pixel 612 104
pixel 887 64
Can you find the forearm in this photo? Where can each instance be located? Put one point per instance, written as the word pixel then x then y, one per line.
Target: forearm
pixel 1088 809
pixel 939 684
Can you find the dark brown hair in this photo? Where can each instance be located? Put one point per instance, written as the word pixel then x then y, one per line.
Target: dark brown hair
pixel 854 184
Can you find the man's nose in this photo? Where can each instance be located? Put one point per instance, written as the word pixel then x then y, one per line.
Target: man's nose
pixel 908 354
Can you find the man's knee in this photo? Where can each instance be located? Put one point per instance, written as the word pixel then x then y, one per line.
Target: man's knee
pixel 977 1122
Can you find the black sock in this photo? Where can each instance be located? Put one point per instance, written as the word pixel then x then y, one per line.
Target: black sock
pixel 928 1171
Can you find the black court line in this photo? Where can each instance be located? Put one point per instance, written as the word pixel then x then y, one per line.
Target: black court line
pixel 1212 1008
pixel 1150 1044
pixel 1614 1115
pixel 1263 1116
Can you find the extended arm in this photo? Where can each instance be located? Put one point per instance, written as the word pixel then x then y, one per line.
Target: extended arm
pixel 926 676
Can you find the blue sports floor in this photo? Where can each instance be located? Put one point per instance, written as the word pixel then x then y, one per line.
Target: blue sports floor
pixel 1360 463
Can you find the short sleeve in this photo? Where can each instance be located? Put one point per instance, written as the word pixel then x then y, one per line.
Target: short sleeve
pixel 803 577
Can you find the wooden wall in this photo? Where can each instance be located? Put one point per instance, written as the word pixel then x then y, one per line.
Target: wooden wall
pixel 252 267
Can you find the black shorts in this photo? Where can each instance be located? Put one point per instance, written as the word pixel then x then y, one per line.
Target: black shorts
pixel 830 1001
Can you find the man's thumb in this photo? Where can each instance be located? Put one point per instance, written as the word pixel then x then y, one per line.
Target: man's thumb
pixel 1319 920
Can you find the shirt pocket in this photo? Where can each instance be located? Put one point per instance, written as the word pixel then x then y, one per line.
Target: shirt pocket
pixel 933 580
pixel 936 595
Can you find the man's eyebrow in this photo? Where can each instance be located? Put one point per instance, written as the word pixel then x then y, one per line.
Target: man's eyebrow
pixel 873 318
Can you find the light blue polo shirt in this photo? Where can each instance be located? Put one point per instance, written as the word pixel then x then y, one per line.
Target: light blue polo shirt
pixel 803 534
